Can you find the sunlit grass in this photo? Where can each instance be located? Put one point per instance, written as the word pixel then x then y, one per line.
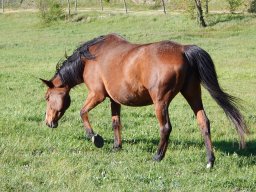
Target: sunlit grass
pixel 35 158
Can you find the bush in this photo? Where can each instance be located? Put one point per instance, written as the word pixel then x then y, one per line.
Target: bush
pixel 234 4
pixel 156 5
pixel 191 9
pixel 252 8
pixel 50 10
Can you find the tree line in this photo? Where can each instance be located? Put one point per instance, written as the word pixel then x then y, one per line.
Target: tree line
pixel 201 6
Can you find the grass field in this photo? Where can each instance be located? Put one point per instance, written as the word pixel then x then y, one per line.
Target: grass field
pixel 36 158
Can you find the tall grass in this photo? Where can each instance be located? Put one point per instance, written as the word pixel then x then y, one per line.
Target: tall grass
pixel 35 158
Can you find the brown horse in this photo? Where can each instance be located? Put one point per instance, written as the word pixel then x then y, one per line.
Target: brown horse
pixel 139 75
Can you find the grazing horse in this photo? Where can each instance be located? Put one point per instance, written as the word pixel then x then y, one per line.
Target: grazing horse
pixel 138 75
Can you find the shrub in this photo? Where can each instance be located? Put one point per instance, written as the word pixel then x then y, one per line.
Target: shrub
pixel 191 9
pixel 234 4
pixel 156 5
pixel 252 8
pixel 50 10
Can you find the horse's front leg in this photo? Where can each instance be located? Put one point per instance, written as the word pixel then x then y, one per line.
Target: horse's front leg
pixel 93 99
pixel 162 115
pixel 116 124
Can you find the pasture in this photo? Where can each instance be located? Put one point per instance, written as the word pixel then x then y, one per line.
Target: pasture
pixel 36 158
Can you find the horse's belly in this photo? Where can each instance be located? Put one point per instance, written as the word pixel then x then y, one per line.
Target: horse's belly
pixel 137 97
pixel 132 100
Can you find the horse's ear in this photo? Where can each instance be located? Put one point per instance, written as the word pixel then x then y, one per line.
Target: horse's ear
pixel 47 83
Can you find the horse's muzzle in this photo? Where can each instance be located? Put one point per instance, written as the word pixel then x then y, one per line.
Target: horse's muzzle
pixel 52 124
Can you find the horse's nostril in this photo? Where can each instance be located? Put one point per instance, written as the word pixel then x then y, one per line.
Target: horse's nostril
pixel 53 125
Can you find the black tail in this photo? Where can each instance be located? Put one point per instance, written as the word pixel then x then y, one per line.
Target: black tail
pixel 202 62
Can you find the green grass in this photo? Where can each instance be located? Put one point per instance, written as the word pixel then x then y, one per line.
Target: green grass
pixel 35 158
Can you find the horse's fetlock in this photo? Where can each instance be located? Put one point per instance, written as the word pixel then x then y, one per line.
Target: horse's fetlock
pixel 166 129
pixel 158 157
pixel 117 147
pixel 115 124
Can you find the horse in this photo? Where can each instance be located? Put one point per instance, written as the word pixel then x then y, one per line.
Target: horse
pixel 139 75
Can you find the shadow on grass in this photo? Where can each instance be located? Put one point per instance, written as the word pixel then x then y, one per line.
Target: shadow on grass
pixel 231 147
pixel 214 19
pixel 227 147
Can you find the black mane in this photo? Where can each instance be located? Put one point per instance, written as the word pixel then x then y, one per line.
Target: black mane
pixel 71 70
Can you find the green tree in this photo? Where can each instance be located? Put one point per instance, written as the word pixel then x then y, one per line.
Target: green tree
pixel 50 10
pixel 3 6
pixel 206 6
pixel 101 5
pixel 164 6
pixel 69 11
pixel 125 6
pixel 234 4
pixel 75 6
pixel 200 15
pixel 252 8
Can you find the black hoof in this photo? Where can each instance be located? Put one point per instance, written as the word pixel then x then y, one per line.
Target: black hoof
pixel 158 157
pixel 98 141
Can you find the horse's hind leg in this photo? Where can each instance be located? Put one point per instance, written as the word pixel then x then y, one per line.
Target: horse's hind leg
pixel 116 124
pixel 192 93
pixel 161 109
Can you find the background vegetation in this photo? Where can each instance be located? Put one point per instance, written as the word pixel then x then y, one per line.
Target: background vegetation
pixel 135 4
pixel 36 158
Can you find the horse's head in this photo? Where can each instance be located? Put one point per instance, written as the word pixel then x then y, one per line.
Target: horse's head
pixel 58 101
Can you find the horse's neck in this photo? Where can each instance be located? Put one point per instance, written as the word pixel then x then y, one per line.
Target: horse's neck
pixel 72 73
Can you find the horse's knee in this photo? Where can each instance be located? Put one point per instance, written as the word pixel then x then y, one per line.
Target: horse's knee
pixel 83 112
pixel 166 129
